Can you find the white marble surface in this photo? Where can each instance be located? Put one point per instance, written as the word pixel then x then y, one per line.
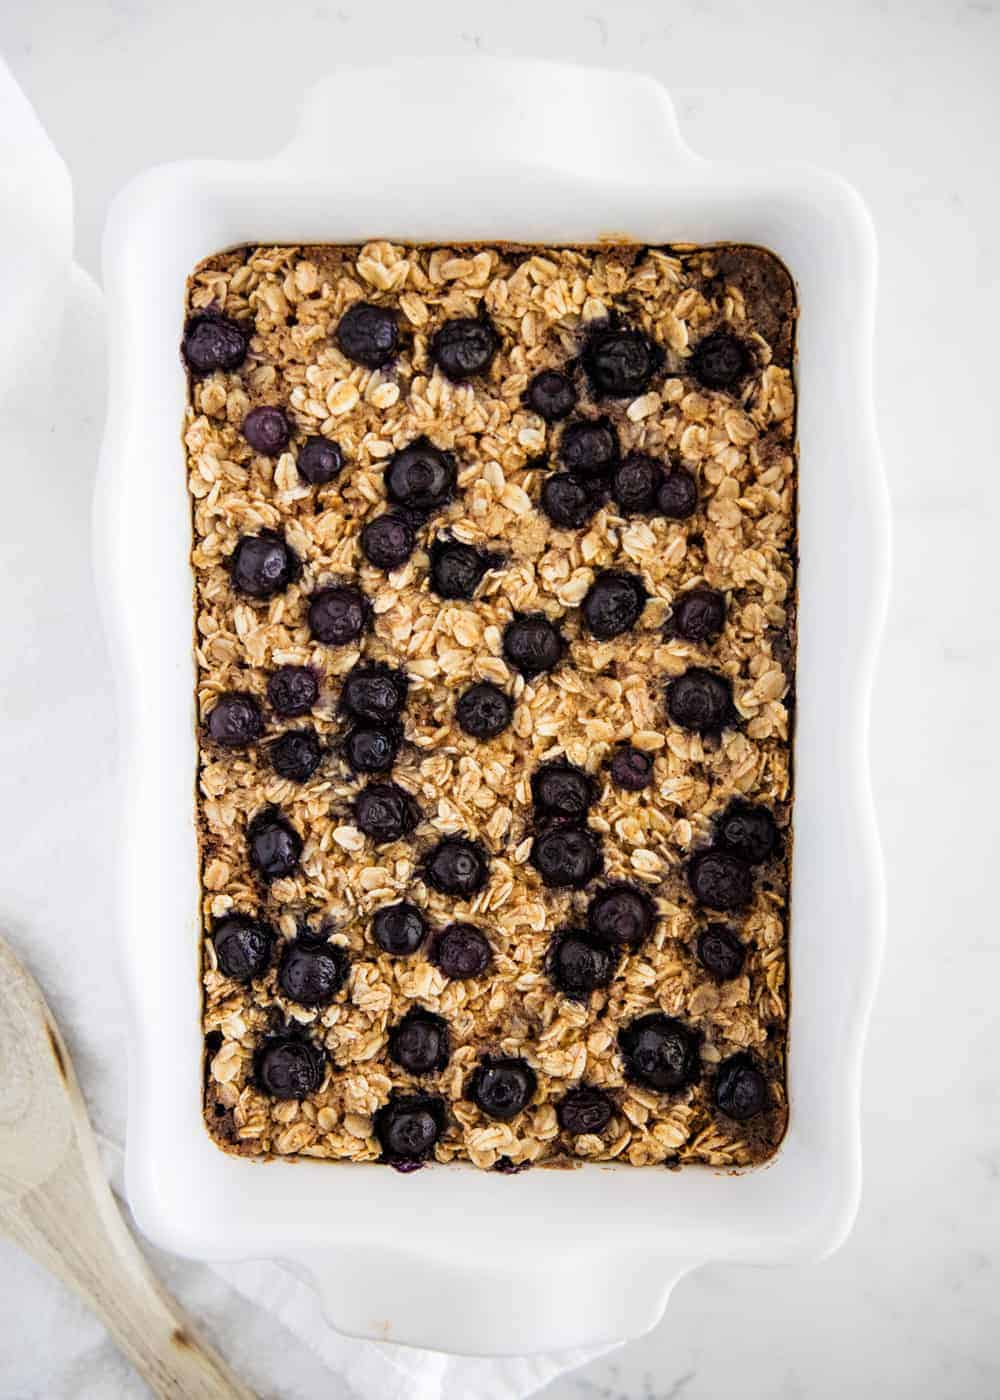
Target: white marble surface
pixel 902 98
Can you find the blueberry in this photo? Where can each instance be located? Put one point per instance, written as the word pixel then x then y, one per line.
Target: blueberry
pixel 566 857
pixel 561 790
pixel 720 361
pixel 631 769
pixel 296 755
pixel 484 710
pixel 408 1126
pixel 267 430
pixel 699 615
pixel 420 477
pixel 720 880
pixel 242 946
pixel 385 812
pixel 502 1087
pixel 399 929
pixel 388 541
pixel 419 1043
pixel 371 748
pixel 274 844
pixel 456 569
pixel 551 395
pixel 578 964
pixel 532 644
pixel 374 692
pixel 461 951
pixel 319 460
pixel 720 952
pixel 589 448
pixel 613 604
pixel 234 720
pixel 338 615
pixel 262 565
pixel 677 496
pixel 368 334
pixel 748 831
pixel 288 1068
pixel 311 974
pixel 701 700
pixel 457 866
pixel 584 1110
pixel 464 347
pixel 213 341
pixel 566 501
pixel 620 363
pixel 293 691
pixel 622 916
pixel 635 483
pixel 740 1088
pixel 660 1052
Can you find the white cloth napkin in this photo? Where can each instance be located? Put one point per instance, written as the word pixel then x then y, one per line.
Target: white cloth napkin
pixel 58 863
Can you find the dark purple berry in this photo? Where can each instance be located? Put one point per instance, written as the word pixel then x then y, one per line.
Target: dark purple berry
pixel 419 1043
pixel 635 483
pixel 677 496
pixel 566 501
pixel 368 334
pixel 631 769
pixel 589 448
pixel 457 569
pixel 502 1087
pixel 561 790
pixel 213 341
pixel 288 1068
pixel 566 857
pixel 457 866
pixel 551 395
pixel 660 1052
pixel 740 1088
pixel 267 430
pixel 701 700
pixel 532 644
pixel 338 615
pixel 293 691
pixel 484 711
pixel 242 946
pixel 371 748
pixel 319 460
pixel 234 720
pixel 699 615
pixel 311 974
pixel 385 812
pixel 748 831
pixel 584 1110
pixel 374 692
pixel 613 604
pixel 461 951
pixel 399 929
pixel 274 844
pixel 621 916
pixel 720 880
pixel 262 565
pixel 720 952
pixel 388 541
pixel 720 361
pixel 578 964
pixel 296 755
pixel 420 477
pixel 464 347
pixel 620 363
pixel 408 1126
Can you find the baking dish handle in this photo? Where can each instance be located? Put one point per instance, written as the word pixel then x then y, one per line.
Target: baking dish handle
pixel 420 113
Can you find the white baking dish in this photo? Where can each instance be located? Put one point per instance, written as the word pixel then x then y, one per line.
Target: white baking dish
pixel 445 151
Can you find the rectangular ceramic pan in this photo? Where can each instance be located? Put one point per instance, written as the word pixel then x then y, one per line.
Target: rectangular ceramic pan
pixel 451 1257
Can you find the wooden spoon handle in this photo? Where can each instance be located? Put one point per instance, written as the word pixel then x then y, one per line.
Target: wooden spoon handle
pixel 73 1227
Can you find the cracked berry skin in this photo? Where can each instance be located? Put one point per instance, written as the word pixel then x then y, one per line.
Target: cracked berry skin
pixel 740 1088
pixel 584 1110
pixel 319 460
pixel 635 484
pixel 292 691
pixel 296 755
pixel 561 790
pixel 457 866
pixel 399 929
pixel 660 1052
pixel 551 395
pixel 242 947
pixel 699 615
pixel 701 701
pixel 566 857
pixel 747 830
pixel 566 501
pixel 262 565
pixel 613 604
pixel 589 448
pixel 578 964
pixel 720 361
pixel 234 720
pixel 464 347
pixel 461 951
pixel 311 974
pixel 720 952
pixel 388 541
pixel 374 692
pixel 720 880
pixel 631 769
pixel 677 494
pixel 288 1068
pixel 532 644
pixel 338 615
pixel 502 1087
pixel 419 1043
pixel 267 430
pixel 274 844
pixel 456 569
pixel 620 363
pixel 371 748
pixel 420 477
pixel 213 341
pixel 385 812
pixel 408 1126
pixel 484 711
pixel 368 335
pixel 621 915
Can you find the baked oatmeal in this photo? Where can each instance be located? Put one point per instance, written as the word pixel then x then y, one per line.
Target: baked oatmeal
pixel 494 558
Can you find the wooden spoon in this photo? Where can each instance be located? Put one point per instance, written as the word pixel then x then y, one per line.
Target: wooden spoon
pixel 55 1203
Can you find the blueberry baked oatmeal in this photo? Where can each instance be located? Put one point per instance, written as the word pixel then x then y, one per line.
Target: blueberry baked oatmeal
pixel 494 558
